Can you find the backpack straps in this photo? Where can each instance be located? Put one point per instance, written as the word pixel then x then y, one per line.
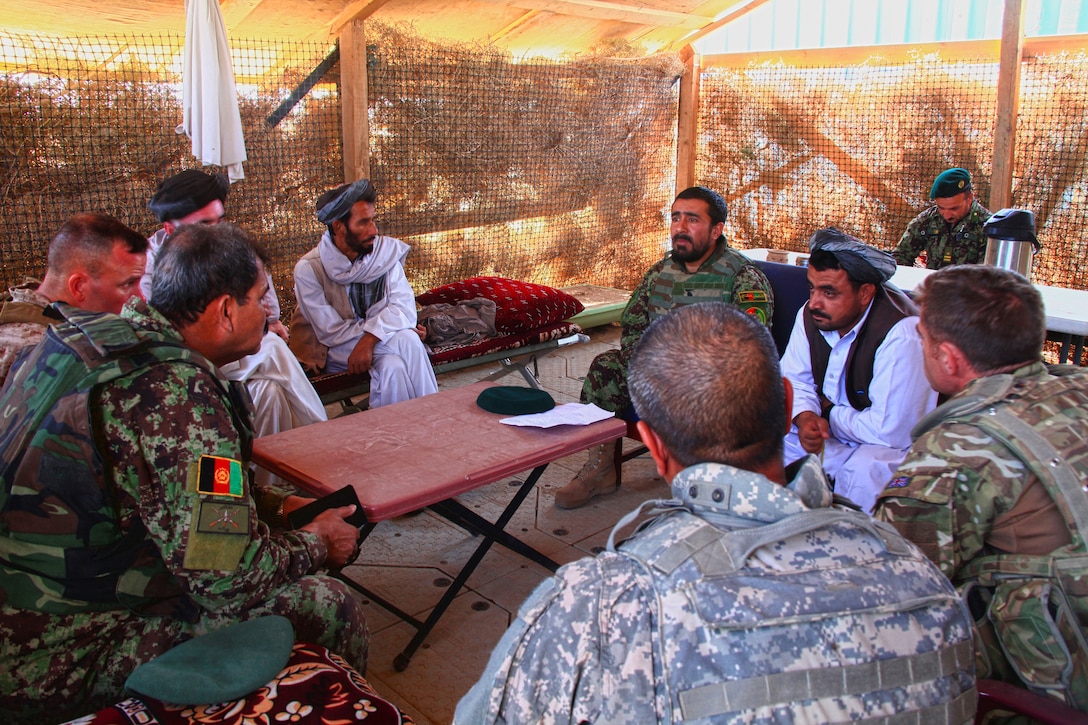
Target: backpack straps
pixel 783 688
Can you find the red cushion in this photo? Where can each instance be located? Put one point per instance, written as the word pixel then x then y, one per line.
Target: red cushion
pixel 520 305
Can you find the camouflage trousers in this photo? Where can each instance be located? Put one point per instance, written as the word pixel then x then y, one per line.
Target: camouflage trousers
pixel 606 383
pixel 57 667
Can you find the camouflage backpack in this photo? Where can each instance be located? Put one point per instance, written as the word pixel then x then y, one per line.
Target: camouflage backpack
pixel 793 621
pixel 61 548
pixel 1031 611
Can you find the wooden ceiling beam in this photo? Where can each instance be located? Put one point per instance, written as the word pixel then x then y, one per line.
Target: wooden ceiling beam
pixel 511 27
pixel 235 12
pixel 605 10
pixel 707 28
pixel 359 10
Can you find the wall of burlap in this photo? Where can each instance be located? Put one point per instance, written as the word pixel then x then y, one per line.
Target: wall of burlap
pixel 796 149
pixel 552 172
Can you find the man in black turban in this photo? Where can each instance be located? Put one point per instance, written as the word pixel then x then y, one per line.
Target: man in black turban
pixel 855 362
pixel 283 397
pixel 191 197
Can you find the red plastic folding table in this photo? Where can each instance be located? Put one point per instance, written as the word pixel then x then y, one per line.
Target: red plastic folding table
pixel 423 453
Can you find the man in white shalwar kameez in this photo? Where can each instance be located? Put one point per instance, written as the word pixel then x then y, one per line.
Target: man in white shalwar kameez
pixel 355 301
pixel 855 362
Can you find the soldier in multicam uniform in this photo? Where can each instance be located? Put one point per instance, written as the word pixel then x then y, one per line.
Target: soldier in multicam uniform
pixel 950 231
pixel 701 267
pixel 127 524
pixel 992 489
pixel 749 598
pixel 95 263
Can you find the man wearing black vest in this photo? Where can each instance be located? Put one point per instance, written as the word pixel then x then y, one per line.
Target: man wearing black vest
pixel 855 362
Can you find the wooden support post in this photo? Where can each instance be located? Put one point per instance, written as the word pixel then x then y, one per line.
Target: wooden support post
pixel 687 121
pixel 353 101
pixel 1008 105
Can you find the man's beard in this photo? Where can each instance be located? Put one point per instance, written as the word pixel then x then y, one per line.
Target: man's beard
pixel 361 247
pixel 694 253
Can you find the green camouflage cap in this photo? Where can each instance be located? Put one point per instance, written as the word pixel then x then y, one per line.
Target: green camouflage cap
pixel 949 183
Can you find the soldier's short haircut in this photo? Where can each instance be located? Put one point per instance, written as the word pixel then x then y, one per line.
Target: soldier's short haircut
pixel 199 263
pixel 87 240
pixel 718 210
pixel 994 316
pixel 706 378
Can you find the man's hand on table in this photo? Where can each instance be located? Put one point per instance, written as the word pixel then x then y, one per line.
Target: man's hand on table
pixel 812 431
pixel 340 538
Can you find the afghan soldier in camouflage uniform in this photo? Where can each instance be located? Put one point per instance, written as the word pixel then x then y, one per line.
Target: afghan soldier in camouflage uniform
pixel 992 490
pixel 701 267
pixel 751 597
pixel 127 524
pixel 949 232
pixel 95 263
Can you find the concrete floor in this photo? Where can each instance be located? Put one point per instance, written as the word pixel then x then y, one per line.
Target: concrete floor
pixel 410 560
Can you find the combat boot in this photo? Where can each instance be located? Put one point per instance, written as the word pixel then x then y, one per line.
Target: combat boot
pixel 597 478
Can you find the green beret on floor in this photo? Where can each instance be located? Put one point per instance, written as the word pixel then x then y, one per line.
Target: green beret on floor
pixel 515 400
pixel 949 183
pixel 223 665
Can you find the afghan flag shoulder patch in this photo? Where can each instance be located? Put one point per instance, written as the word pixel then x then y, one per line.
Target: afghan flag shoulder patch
pixel 219 476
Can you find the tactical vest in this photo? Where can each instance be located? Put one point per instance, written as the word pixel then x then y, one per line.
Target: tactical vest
pixel 730 635
pixel 1035 607
pixel 27 312
pixel 890 305
pixel 311 353
pixel 674 286
pixel 61 547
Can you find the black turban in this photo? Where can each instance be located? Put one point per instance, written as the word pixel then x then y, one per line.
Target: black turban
pixel 863 264
pixel 182 194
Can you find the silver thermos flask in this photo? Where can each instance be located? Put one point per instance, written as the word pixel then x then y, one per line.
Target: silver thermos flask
pixel 1011 242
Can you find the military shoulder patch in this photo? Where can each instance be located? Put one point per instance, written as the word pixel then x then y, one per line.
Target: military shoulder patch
pixel 899 482
pixel 223 518
pixel 218 536
pixel 759 313
pixel 751 295
pixel 219 476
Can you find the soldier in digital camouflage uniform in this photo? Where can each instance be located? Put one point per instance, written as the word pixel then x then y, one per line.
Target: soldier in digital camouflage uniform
pixel 127 524
pixel 751 597
pixel 992 490
pixel 95 263
pixel 950 231
pixel 700 267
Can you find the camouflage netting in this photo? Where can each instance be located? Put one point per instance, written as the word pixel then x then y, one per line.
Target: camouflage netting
pixel 858 147
pixel 551 172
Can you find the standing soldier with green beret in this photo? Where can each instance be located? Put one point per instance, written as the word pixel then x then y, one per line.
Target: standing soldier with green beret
pixel 950 231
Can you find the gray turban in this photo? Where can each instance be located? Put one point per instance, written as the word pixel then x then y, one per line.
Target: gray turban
pixel 863 264
pixel 342 200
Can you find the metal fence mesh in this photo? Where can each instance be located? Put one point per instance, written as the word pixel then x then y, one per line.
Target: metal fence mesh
pixel 798 148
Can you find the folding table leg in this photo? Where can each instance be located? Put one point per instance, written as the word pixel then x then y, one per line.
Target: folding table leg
pixel 400 662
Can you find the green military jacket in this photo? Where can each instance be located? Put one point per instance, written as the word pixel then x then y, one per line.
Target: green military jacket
pixel 944 245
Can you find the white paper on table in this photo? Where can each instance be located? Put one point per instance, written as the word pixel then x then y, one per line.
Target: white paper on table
pixel 566 414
